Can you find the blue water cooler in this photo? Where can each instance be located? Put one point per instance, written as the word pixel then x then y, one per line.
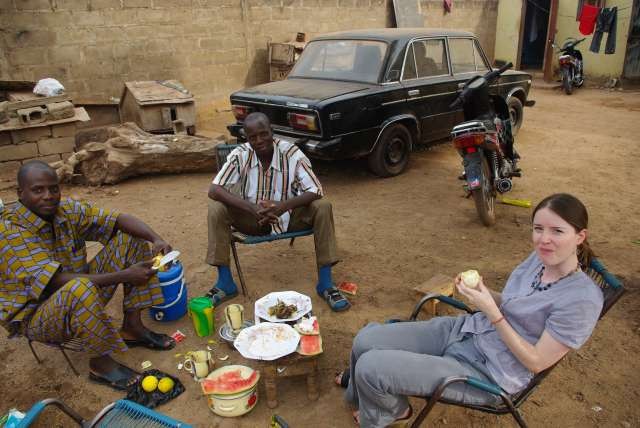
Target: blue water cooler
pixel 174 290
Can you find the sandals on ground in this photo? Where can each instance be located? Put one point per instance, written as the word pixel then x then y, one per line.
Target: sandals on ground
pixel 335 299
pixel 218 296
pixel 152 340
pixel 120 378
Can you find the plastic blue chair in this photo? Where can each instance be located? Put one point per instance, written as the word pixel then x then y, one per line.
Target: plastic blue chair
pixel 222 151
pixel 611 288
pixel 120 414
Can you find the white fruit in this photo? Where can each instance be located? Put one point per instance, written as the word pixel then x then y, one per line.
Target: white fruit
pixel 470 278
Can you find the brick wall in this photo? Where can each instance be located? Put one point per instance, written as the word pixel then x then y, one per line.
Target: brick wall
pixel 212 46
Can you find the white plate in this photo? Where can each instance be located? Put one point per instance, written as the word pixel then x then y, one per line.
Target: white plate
pixel 267 341
pixel 263 304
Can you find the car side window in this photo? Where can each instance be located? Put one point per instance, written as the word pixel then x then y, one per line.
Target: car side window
pixel 465 57
pixel 409 65
pixel 431 57
pixel 481 65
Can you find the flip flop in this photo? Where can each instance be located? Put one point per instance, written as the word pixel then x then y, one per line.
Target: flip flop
pixel 344 378
pixel 218 296
pixel 152 340
pixel 402 422
pixel 335 299
pixel 119 378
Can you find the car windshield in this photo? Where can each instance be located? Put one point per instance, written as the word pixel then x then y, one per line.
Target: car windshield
pixel 355 60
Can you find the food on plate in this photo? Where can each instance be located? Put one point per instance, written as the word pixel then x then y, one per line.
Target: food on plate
pixel 470 278
pixel 149 383
pixel 310 345
pixel 281 310
pixel 308 326
pixel 348 287
pixel 229 382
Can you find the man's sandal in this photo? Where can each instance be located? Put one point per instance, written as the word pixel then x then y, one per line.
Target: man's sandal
pixel 152 340
pixel 218 296
pixel 120 378
pixel 335 299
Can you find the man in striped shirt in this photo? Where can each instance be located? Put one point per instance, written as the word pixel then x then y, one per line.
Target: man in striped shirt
pixel 268 186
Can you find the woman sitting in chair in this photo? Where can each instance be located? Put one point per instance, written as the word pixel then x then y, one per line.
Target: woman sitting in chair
pixel 548 306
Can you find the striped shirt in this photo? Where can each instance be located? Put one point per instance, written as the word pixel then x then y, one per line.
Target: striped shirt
pixel 32 250
pixel 288 176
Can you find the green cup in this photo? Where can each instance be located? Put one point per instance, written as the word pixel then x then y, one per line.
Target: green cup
pixel 201 314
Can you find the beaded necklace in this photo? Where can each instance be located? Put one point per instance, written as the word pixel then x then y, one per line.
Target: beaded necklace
pixel 536 284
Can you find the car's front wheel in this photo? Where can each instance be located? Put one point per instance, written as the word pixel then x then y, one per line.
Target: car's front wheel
pixel 391 155
pixel 516 114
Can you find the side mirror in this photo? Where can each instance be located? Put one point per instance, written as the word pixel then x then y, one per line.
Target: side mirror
pixel 393 75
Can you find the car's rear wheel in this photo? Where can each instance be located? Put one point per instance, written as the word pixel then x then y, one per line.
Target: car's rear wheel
pixel 516 114
pixel 391 155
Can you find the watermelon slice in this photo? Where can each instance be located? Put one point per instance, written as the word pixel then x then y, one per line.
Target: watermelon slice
pixel 348 287
pixel 310 345
pixel 230 380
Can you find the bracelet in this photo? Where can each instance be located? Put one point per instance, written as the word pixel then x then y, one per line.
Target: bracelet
pixel 498 320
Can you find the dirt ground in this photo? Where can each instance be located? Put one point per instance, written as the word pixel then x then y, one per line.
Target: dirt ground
pixel 393 235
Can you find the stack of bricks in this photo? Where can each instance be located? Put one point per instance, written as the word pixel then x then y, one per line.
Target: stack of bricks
pixel 49 143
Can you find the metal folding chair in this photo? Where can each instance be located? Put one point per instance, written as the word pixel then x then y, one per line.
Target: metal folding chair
pixel 120 414
pixel 71 345
pixel 611 288
pixel 222 151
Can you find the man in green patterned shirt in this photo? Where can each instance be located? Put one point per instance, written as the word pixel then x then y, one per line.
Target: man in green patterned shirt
pixel 51 293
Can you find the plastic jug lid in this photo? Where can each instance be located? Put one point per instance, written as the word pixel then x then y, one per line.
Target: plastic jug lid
pixel 200 303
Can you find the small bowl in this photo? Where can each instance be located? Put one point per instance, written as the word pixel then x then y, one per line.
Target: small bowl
pixel 227 335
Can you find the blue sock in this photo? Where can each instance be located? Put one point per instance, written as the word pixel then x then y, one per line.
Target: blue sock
pixel 324 279
pixel 225 280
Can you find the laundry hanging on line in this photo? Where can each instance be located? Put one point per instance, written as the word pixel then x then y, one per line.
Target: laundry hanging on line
pixel 607 22
pixel 588 19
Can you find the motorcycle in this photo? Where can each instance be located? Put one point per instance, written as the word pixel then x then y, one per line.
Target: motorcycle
pixel 485 142
pixel 570 61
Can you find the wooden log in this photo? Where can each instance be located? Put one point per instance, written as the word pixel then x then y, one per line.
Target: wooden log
pixel 112 154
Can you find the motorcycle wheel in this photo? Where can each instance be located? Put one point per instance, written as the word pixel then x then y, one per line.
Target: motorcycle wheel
pixel 566 82
pixel 484 196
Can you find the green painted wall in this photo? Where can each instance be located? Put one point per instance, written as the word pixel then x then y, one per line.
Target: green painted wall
pixel 508 30
pixel 596 65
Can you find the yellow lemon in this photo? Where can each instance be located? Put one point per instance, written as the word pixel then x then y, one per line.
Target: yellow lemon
pixel 165 385
pixel 150 383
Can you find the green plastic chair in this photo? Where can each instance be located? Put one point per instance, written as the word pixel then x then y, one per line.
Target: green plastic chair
pixel 611 288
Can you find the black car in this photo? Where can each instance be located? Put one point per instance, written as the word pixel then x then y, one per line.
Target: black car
pixel 375 93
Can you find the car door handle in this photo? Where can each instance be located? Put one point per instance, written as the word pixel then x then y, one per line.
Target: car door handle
pixel 414 92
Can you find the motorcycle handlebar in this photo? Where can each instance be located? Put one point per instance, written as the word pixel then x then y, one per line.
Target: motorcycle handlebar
pixel 488 77
pixel 456 103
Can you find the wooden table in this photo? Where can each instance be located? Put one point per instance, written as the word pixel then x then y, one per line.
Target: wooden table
pixel 290 365
pixel 438 284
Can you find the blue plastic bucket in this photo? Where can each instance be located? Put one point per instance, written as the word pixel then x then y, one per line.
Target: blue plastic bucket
pixel 171 281
pixel 174 309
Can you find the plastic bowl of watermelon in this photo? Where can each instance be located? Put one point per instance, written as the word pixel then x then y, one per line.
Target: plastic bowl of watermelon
pixel 231 390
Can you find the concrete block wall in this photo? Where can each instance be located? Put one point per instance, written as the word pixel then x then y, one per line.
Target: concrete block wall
pixel 212 46
pixel 47 143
